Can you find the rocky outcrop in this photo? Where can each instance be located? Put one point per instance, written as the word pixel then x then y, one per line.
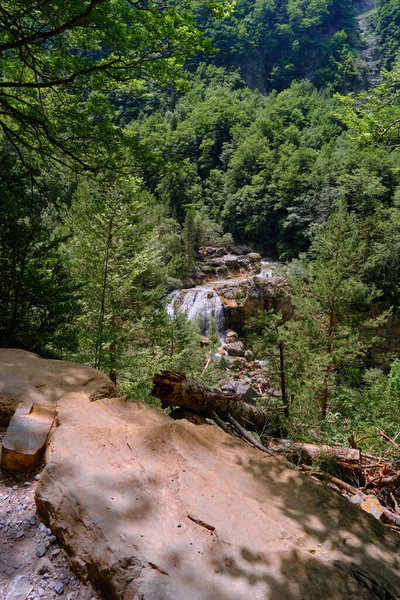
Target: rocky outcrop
pixel 156 509
pixel 243 298
pixel 29 379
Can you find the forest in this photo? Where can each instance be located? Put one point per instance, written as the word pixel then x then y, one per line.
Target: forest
pixel 138 136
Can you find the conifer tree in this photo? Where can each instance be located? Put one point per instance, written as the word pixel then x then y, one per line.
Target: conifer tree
pixel 332 328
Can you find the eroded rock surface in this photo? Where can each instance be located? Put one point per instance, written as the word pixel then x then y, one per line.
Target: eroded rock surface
pixel 24 377
pixel 157 509
pixel 24 443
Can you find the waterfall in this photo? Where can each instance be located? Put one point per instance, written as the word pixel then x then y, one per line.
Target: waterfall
pixel 267 267
pixel 200 304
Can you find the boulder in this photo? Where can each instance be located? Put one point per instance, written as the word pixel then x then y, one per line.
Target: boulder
pixel 231 336
pixel 235 348
pixel 24 443
pixel 242 389
pixel 157 509
pixel 27 378
pixel 253 257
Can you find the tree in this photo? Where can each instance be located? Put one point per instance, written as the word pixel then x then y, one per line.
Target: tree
pixel 59 61
pixel 332 325
pixel 114 256
pixel 39 299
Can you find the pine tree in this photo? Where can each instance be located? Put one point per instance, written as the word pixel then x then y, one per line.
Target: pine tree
pixel 332 328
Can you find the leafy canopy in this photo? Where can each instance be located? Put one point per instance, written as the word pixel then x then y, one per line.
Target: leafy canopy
pixel 59 60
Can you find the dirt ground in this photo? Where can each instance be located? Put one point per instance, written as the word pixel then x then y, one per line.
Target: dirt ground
pixel 32 564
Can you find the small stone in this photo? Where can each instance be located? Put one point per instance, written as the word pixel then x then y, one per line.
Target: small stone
pixel 71 596
pixel 373 506
pixel 52 539
pixel 59 588
pixel 27 483
pixel 36 477
pixel 14 487
pixel 41 592
pixel 356 499
pixel 41 551
pixel 44 565
pixel 20 534
pixel 55 552
pixel 179 525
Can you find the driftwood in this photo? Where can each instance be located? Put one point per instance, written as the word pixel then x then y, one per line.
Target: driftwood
pixel 389 515
pixel 176 389
pixel 345 461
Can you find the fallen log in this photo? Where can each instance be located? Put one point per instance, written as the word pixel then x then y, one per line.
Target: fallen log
pixel 176 389
pixel 344 461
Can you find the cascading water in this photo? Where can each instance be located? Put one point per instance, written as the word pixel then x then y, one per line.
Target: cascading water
pixel 267 266
pixel 265 271
pixel 199 303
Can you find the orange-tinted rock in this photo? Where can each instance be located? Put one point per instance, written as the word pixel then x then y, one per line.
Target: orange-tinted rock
pixel 157 509
pixel 24 377
pixel 25 440
pixel 373 507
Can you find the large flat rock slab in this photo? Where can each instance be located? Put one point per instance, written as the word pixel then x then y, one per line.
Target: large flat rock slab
pixel 24 377
pixel 24 444
pixel 154 509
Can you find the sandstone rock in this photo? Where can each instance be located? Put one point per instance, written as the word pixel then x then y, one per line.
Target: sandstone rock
pixel 24 443
pixel 231 336
pixel 250 526
pixel 373 506
pixel 34 381
pixel 235 348
pixel 204 340
pixel 44 565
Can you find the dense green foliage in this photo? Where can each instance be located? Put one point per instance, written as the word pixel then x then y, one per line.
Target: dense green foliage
pixel 59 61
pixel 274 42
pixel 387 24
pixel 248 143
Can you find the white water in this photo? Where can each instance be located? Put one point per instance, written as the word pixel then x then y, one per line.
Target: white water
pixel 267 267
pixel 200 304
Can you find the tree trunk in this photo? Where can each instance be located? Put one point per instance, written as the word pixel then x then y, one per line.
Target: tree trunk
pixel 175 389
pixel 285 402
pixel 344 461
